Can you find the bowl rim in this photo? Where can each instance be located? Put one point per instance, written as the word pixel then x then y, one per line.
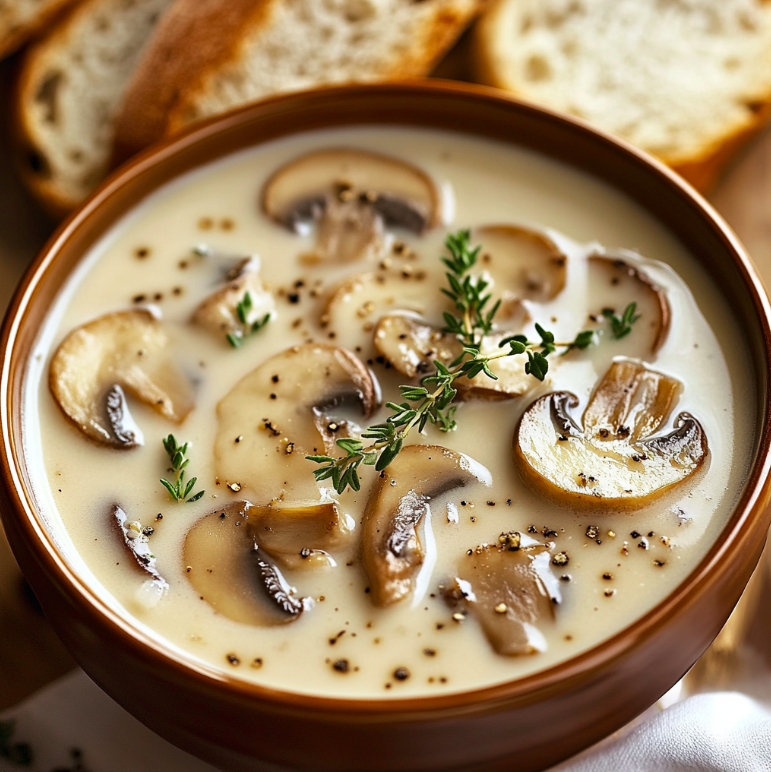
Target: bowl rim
pixel 527 689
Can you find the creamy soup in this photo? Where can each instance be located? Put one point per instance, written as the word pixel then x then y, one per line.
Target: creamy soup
pixel 269 305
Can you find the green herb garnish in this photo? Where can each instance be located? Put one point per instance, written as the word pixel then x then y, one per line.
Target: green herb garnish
pixel 430 401
pixel 621 326
pixel 243 307
pixel 179 490
pixel 467 292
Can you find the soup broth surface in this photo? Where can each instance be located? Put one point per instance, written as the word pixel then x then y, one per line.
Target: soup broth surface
pixel 619 562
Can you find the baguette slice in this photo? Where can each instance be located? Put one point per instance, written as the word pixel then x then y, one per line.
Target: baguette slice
pixel 20 19
pixel 686 80
pixel 208 56
pixel 70 86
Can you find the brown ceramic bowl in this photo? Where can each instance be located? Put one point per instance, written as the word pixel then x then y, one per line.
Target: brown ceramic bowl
pixel 527 724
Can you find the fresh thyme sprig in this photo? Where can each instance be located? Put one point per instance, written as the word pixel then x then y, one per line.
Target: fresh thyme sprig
pixel 537 364
pixel 621 326
pixel 179 490
pixel 467 292
pixel 420 407
pixel 243 307
pixel 430 401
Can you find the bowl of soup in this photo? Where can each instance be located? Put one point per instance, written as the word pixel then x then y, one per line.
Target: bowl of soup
pixel 395 427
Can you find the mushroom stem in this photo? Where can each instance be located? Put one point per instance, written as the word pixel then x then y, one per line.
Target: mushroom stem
pixel 138 544
pixel 276 586
pixel 391 550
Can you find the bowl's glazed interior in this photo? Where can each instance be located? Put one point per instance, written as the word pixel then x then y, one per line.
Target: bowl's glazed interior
pixel 411 733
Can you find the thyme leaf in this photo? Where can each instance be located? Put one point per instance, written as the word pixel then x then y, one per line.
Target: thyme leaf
pixel 179 490
pixel 243 307
pixel 621 326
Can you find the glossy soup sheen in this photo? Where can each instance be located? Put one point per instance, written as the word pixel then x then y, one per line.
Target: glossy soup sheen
pixel 619 563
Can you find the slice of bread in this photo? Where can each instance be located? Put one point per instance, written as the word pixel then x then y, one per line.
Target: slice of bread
pixel 686 80
pixel 69 90
pixel 208 56
pixel 20 19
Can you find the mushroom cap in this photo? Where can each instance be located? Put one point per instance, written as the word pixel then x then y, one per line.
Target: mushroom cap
pixel 270 419
pixel 127 349
pixel 391 550
pixel 614 460
pixel 300 535
pixel 412 346
pixel 218 312
pixel 613 283
pixel 354 307
pixel 523 263
pixel 233 574
pixel 511 590
pixel 307 182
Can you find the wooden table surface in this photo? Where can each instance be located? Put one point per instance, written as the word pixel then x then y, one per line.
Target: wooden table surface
pixel 30 653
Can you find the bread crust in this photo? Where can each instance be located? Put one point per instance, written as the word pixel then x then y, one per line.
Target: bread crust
pixel 198 37
pixel 31 161
pixel 14 37
pixel 193 38
pixel 41 141
pixel 700 166
pixel 704 170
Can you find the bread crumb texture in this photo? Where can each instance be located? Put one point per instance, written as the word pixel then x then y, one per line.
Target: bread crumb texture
pixel 675 77
pixel 72 83
pixel 305 43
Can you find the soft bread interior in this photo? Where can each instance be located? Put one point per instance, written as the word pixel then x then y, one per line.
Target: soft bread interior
pixel 72 84
pixel 675 77
pixel 307 42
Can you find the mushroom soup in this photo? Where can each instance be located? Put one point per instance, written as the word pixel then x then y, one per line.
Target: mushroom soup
pixel 226 405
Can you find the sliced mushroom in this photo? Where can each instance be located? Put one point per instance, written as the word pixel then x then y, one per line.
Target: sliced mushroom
pixel 122 351
pixel 218 313
pixel 267 423
pixel 510 589
pixel 352 194
pixel 354 308
pixel 613 460
pixel 137 542
pixel 411 347
pixel 391 550
pixel 301 535
pixel 523 264
pixel 613 284
pixel 233 574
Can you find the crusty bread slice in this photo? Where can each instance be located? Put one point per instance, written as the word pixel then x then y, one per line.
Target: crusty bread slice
pixel 20 19
pixel 208 56
pixel 687 80
pixel 69 89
